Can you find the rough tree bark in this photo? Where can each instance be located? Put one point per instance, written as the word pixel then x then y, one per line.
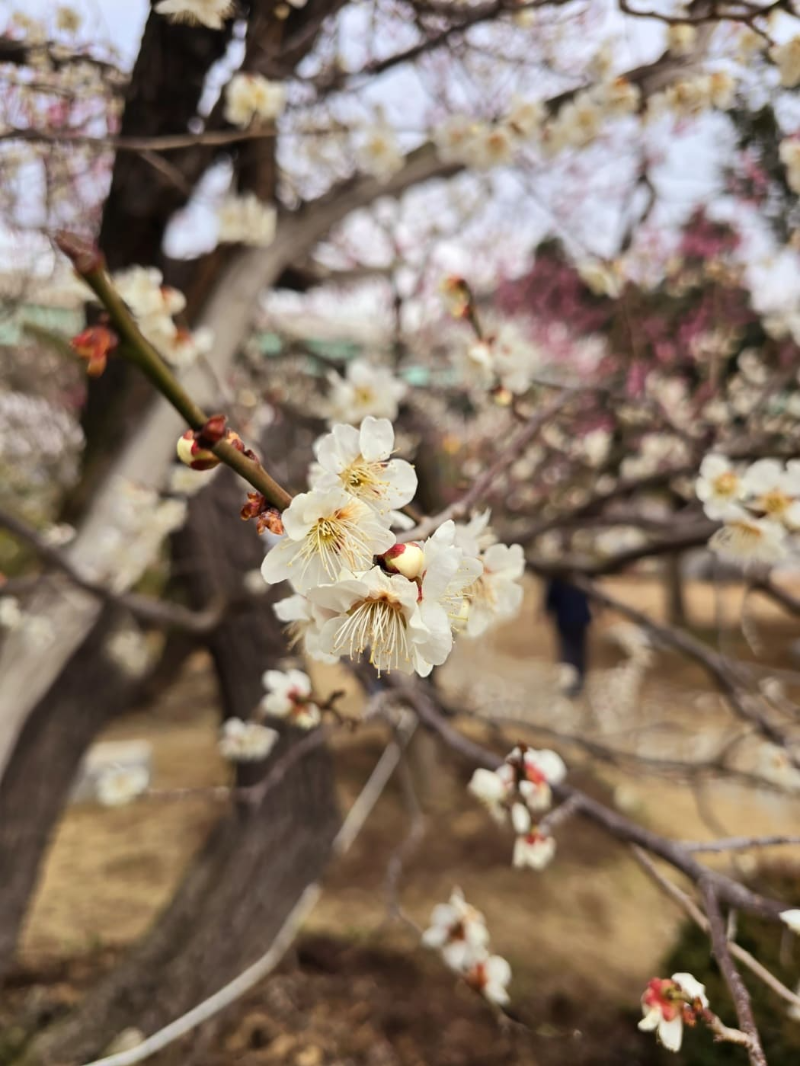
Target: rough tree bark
pixel 33 790
pixel 30 684
pixel 256 860
pixel 161 98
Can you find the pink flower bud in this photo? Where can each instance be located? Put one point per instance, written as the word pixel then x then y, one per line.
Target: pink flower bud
pixel 405 559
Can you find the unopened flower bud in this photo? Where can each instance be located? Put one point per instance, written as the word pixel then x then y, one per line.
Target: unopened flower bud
pixel 212 432
pixel 94 345
pixel 457 296
pixel 85 255
pixel 405 559
pixel 193 455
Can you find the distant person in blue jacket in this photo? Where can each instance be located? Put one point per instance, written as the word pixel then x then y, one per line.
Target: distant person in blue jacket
pixel 569 608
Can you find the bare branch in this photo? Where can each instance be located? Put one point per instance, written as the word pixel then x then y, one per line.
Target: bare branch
pixel 733 979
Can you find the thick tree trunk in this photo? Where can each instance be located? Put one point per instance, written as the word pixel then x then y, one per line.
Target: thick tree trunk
pixel 256 861
pixel 34 788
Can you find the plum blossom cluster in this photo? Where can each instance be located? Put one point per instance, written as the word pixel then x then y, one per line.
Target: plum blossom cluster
pixel 289 696
pixel 131 543
pixel 758 505
pixel 515 791
pixel 496 594
pixel 458 931
pixel 241 741
pixel 252 97
pixel 503 357
pixel 154 306
pixel 670 1003
pixel 364 390
pixel 356 590
pixel 577 123
pixel 246 220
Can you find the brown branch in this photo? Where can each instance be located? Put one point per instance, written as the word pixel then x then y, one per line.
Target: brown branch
pixel 715 664
pixel 690 907
pixel 482 485
pixel 740 843
pixel 733 979
pixel 425 704
pixel 155 612
pixel 695 536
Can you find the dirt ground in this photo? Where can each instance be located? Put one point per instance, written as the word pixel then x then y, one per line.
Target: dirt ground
pixel 582 937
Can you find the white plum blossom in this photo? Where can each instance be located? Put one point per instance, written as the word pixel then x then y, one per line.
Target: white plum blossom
pixel 578 122
pixel 143 291
pixel 525 116
pixel 718 486
pixel 789 152
pixel 494 788
pixel 304 621
pixel 602 278
pixel 516 789
pixel 153 304
pixel 246 741
pixel 131 543
pixel 502 355
pixel 364 390
pixel 379 611
pixel 786 58
pixel 56 536
pixel 745 539
pixel 534 849
pixel 181 348
pixel 490 146
pixel 251 96
pixel 497 594
pixel 327 531
pixel 667 1003
pixel 210 13
pixel 119 785
pixel 379 154
pixel 681 38
pixel 129 650
pixel 359 461
pixel 595 446
pixel 246 220
pixel 11 615
pixel 617 97
pixel 490 975
pixel 537 770
pixel 458 931
pixel 288 696
pixel 773 491
pixel 473 536
pixel 791 919
pixel 454 138
pixel 447 574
